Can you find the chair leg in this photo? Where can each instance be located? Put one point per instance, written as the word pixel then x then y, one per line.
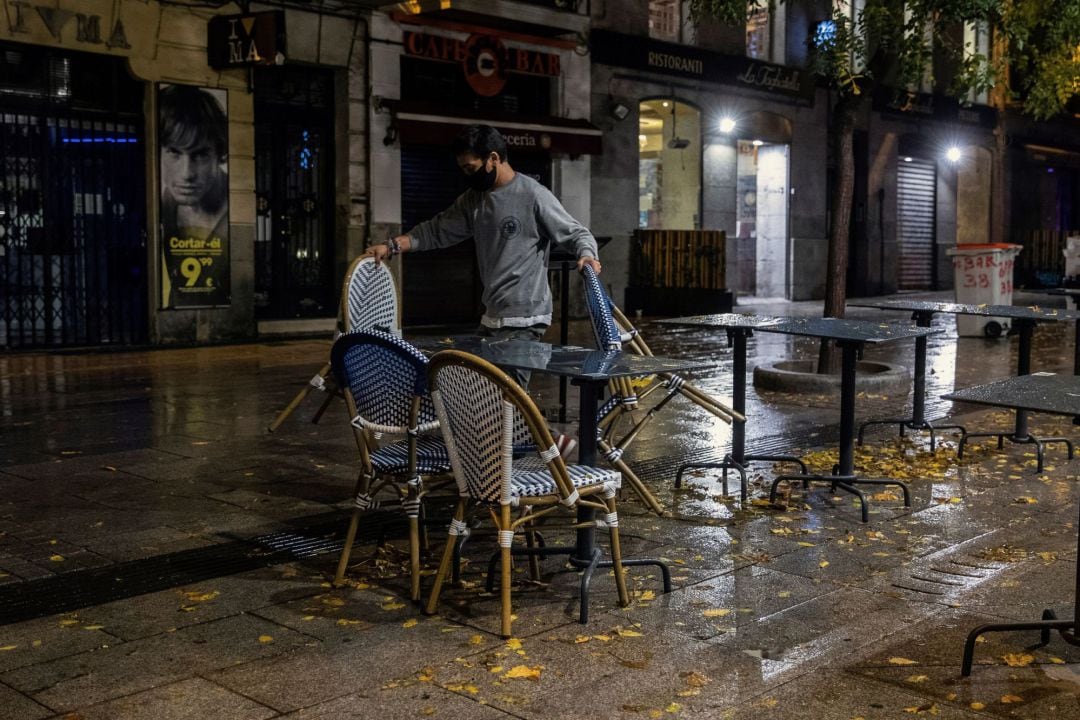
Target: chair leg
pixel 363 486
pixel 346 550
pixel 448 556
pixel 414 557
pixel 616 555
pixel 291 407
pixel 505 547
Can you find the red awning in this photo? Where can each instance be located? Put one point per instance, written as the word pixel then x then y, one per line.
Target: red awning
pixel 421 125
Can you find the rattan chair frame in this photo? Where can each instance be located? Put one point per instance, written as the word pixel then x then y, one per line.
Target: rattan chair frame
pixel 614 331
pixel 408 485
pixel 600 496
pixel 323 380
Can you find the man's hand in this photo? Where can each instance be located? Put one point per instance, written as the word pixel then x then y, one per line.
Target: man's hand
pixel 379 252
pixel 387 250
pixel 591 262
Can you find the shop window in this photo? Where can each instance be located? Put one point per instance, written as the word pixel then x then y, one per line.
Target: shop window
pixel 669 168
pixel 977 49
pixel 665 20
pixel 921 78
pixel 765 32
pixel 851 11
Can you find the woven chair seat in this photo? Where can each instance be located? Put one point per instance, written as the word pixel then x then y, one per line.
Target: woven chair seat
pixel 431 457
pixel 527 480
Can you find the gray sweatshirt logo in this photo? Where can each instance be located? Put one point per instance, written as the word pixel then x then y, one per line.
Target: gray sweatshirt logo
pixel 509 228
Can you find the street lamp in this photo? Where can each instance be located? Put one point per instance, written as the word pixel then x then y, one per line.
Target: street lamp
pixel 727 125
pixel 953 154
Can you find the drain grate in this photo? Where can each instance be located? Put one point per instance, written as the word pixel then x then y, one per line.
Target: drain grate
pixel 95 586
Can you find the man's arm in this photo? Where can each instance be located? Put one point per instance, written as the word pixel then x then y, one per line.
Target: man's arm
pixel 450 227
pixel 564 230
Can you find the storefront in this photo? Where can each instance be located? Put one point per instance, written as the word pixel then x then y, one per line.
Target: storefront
pixel 923 184
pixel 155 190
pixel 524 86
pixel 717 141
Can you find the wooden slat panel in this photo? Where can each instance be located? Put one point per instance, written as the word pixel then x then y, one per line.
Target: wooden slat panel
pixel 683 258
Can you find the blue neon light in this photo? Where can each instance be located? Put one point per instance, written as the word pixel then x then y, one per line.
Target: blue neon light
pixel 97 139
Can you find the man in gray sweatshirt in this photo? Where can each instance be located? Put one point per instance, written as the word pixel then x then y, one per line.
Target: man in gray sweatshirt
pixel 515 222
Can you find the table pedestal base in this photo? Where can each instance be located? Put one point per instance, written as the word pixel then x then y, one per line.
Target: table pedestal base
pixel 913 424
pixel 842 482
pixel 589 566
pixel 1067 628
pixel 730 463
pixel 1027 439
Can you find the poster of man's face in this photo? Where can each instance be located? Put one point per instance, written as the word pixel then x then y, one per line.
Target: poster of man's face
pixel 193 145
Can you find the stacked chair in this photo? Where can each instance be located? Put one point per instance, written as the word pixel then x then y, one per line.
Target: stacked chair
pixel 384 382
pixel 613 331
pixel 369 301
pixel 478 408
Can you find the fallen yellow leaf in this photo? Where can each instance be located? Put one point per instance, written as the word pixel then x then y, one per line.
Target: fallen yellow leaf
pixel 5 648
pixel 647 595
pixel 476 639
pixel 716 612
pixel 513 644
pixel 917 678
pixel 627 633
pixel 977 706
pixel 56 558
pixel 582 639
pixel 1006 699
pixel 823 564
pixel 523 672
pixel 901 661
pixel 266 639
pixel 411 622
pixel 1018 659
pixel 1025 500
pixel 673 708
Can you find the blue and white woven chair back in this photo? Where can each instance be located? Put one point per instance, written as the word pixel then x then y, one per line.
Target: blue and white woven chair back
pixel 371 301
pixel 478 428
pixel 383 373
pixel 599 306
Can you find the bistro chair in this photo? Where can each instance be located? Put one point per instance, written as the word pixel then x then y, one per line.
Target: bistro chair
pixel 384 380
pixel 478 407
pixel 613 331
pixel 369 301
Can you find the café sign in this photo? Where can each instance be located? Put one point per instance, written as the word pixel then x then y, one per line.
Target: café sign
pixel 245 40
pixel 483 58
pixel 611 48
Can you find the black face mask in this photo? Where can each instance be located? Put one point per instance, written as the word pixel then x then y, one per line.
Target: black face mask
pixel 482 180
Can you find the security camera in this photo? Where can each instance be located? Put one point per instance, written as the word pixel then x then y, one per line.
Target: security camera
pixel 678 143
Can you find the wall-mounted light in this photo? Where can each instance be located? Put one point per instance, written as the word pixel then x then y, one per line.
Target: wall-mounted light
pixel 619 111
pixel 758 143
pixel 953 154
pixel 907 158
pixel 642 141
pixel 727 125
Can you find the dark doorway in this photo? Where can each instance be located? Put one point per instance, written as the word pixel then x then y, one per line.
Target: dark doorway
pixel 294 165
pixel 73 253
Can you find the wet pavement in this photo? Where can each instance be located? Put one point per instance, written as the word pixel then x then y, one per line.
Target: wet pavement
pixel 162 556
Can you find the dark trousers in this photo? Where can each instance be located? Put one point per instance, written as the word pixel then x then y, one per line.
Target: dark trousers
pixel 533 333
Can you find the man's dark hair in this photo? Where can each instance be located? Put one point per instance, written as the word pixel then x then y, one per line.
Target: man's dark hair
pixel 481 141
pixel 191 117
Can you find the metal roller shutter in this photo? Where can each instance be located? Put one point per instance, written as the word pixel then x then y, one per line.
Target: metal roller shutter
pixel 916 190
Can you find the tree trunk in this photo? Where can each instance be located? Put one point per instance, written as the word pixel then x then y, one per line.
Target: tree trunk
pixel 843 130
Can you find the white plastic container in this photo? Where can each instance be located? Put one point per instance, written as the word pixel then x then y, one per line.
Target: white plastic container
pixel 983 273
